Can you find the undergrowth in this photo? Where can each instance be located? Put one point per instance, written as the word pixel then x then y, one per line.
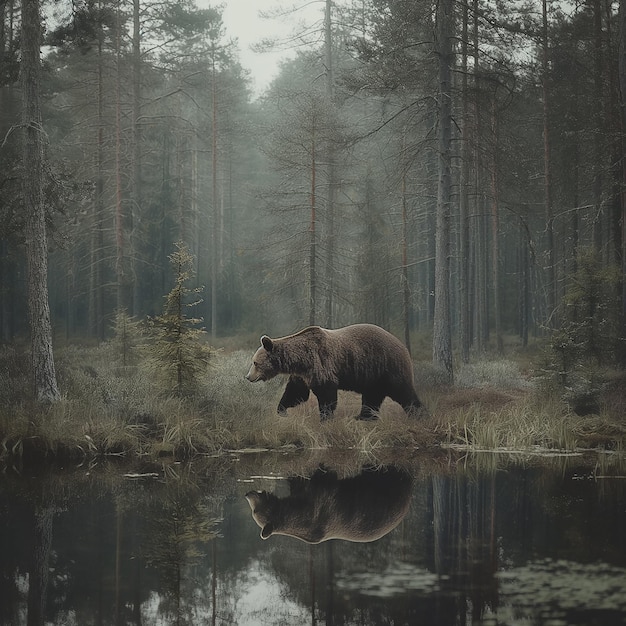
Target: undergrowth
pixel 113 409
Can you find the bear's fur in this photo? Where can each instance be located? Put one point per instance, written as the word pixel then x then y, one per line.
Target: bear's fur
pixel 361 508
pixel 363 358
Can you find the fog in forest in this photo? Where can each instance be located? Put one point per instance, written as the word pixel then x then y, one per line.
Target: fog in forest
pixel 452 167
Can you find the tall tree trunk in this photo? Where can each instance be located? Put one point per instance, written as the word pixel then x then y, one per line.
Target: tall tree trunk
pixel 191 231
pixel 332 174
pixel 598 148
pixel 120 262
pixel 495 229
pixel 135 206
pixel 313 235
pixel 615 227
pixel 481 315
pixel 442 340
pixel 45 383
pixel 464 317
pixel 523 283
pixel 550 246
pixel 480 321
pixel 622 85
pixel 96 300
pixel 216 221
pixel 406 291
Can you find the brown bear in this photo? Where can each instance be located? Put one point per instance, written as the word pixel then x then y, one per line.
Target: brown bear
pixel 363 358
pixel 360 508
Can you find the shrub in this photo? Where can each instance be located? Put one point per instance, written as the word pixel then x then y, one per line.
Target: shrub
pixel 587 343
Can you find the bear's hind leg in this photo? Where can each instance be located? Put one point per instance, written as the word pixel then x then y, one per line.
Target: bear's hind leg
pixel 370 405
pixel 409 401
pixel 296 392
pixel 414 408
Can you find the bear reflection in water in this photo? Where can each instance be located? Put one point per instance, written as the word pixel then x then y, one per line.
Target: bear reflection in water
pixel 361 508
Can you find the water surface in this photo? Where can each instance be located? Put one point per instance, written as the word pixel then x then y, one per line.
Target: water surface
pixel 434 540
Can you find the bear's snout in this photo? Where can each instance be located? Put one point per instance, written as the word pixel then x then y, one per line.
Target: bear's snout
pixel 254 376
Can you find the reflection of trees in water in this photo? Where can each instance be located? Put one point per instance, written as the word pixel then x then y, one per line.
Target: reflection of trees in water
pixel 38 573
pixel 116 551
pixel 104 549
pixel 464 523
pixel 450 539
pixel 464 546
pixel 178 531
pixel 26 550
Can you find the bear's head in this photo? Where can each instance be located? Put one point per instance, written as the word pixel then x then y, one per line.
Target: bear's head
pixel 284 516
pixel 264 507
pixel 265 362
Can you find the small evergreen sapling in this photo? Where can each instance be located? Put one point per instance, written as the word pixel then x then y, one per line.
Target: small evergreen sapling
pixel 179 355
pixel 127 337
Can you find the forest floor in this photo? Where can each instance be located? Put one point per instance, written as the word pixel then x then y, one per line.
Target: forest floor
pixel 495 404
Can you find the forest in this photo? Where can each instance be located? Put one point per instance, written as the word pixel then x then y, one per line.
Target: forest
pixel 452 171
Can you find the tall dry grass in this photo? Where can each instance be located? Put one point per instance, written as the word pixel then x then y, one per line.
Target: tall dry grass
pixel 110 409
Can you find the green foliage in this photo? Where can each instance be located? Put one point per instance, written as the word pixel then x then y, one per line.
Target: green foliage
pixel 178 354
pixel 588 339
pixel 591 329
pixel 127 338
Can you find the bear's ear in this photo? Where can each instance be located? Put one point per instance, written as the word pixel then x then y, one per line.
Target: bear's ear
pixel 267 531
pixel 254 498
pixel 267 343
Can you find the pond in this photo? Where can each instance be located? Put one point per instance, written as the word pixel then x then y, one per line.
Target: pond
pixel 312 539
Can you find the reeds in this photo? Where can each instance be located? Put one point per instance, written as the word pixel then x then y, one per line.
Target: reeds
pixel 524 424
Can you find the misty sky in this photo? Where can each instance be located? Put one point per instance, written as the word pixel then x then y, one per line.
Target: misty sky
pixel 242 21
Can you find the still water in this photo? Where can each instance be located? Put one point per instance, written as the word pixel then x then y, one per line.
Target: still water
pixel 268 539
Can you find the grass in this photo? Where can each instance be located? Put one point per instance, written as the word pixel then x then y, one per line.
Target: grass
pixel 108 409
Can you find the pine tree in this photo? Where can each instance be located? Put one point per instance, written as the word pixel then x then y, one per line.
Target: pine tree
pixel 442 341
pixel 44 373
pixel 179 355
pixel 127 337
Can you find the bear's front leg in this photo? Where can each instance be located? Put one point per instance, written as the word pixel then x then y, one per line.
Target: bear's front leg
pixel 296 392
pixel 327 400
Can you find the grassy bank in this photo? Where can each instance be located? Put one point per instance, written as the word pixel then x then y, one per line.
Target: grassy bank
pixel 109 409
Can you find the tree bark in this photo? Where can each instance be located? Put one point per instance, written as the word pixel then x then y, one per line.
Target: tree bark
pixel 214 200
pixel 332 174
pixel 622 85
pixel 464 316
pixel 135 206
pixel 442 341
pixel 96 288
pixel 495 229
pixel 123 275
pixel 45 383
pixel 313 235
pixel 597 145
pixel 551 253
pixel 406 290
